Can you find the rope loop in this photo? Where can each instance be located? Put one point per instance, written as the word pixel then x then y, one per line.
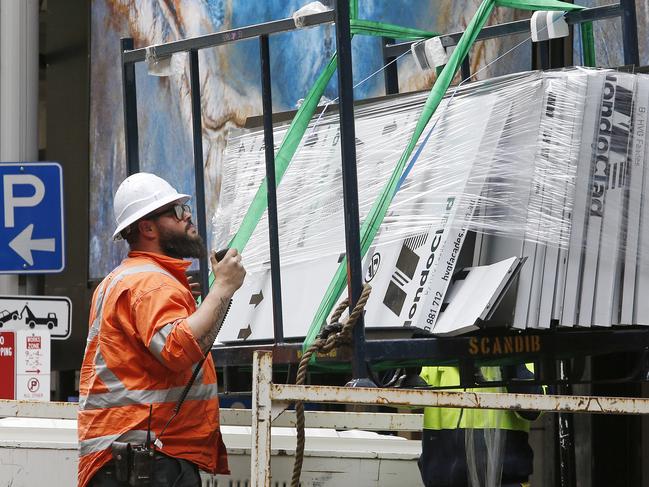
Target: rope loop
pixel 332 336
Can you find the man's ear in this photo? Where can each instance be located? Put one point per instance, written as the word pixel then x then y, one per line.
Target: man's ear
pixel 148 229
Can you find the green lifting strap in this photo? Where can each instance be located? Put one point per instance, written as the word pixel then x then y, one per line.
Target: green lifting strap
pixel 538 5
pixel 588 44
pixel 353 9
pixel 379 209
pixel 372 28
pixel 283 158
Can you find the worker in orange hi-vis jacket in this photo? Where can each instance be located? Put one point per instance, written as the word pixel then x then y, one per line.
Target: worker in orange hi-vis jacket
pixel 146 337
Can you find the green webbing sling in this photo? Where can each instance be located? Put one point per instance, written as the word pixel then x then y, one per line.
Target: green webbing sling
pixel 372 28
pixel 588 44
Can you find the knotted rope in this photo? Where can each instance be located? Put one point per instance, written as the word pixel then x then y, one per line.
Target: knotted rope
pixel 332 336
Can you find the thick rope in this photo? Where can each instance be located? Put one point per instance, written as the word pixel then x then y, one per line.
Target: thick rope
pixel 332 336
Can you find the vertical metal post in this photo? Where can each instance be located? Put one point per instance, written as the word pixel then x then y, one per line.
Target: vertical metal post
pixel 129 95
pixel 199 180
pixel 19 29
pixel 544 54
pixel 350 183
pixel 273 226
pixel 390 73
pixel 465 68
pixel 565 421
pixel 630 32
pixel 262 376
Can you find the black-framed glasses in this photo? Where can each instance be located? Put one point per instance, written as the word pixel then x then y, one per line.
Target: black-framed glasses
pixel 177 210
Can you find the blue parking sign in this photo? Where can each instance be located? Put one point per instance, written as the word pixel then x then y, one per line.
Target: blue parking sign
pixel 31 240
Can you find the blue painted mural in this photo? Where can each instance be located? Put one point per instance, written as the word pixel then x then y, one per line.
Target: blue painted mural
pixel 230 82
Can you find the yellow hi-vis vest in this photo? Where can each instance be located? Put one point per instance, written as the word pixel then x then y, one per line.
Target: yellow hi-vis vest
pixel 436 418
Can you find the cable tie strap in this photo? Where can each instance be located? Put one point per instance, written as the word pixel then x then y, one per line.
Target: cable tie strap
pixel 309 9
pixel 545 25
pixel 166 65
pixel 429 54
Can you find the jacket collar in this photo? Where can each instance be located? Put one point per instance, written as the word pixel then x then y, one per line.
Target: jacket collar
pixel 177 267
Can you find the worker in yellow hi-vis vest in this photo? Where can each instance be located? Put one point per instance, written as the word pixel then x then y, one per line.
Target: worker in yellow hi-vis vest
pixel 477 447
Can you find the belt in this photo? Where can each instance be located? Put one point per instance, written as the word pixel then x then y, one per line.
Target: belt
pixel 165 466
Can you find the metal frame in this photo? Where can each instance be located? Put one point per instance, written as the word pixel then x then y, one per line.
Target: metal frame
pixel 270 400
pixel 556 344
pixel 625 10
pixel 465 351
pixel 350 181
pixel 544 347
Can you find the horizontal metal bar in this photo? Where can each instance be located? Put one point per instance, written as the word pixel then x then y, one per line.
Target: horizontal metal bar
pixel 234 354
pixel 224 37
pixel 492 347
pixel 333 419
pixel 470 400
pixel 239 417
pixel 516 27
pixel 498 347
pixel 38 409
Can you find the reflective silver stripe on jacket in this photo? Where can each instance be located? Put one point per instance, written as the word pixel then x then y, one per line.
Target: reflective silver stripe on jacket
pixel 93 445
pixel 159 340
pixel 126 397
pixel 100 301
pixel 110 380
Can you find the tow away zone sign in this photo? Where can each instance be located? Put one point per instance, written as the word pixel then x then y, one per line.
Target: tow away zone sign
pixel 51 313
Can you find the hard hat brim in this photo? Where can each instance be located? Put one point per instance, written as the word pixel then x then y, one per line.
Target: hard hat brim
pixel 180 198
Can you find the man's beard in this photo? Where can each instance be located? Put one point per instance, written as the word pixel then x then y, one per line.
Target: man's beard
pixel 182 245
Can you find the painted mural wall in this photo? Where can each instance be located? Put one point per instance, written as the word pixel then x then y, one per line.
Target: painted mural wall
pixel 230 84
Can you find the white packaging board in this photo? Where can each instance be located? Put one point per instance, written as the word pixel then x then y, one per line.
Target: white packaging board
pixel 634 267
pixel 399 279
pixel 472 296
pixel 410 275
pixel 579 220
pixel 612 164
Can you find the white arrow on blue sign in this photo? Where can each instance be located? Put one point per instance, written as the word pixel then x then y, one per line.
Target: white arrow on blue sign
pixel 31 240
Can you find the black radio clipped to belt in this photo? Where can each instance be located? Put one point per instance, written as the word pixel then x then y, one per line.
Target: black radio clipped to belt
pixel 134 462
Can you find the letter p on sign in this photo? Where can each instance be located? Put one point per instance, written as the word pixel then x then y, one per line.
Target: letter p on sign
pixel 12 201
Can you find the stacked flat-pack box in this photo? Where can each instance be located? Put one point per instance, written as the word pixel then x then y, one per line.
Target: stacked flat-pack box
pixel 605 213
pixel 531 290
pixel 634 202
pixel 639 162
pixel 556 160
pixel 547 168
pixel 550 188
pixel 581 192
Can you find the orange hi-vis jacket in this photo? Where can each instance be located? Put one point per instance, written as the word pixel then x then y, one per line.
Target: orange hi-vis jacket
pixel 140 352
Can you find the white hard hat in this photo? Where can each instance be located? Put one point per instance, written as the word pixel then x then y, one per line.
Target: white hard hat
pixel 140 194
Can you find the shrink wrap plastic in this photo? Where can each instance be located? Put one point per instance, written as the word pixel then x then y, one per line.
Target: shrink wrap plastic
pixel 507 146
pixel 552 160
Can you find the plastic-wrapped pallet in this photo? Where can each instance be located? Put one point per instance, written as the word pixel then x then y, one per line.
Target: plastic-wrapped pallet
pixel 517 160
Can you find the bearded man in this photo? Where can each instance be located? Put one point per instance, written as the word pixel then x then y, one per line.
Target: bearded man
pixel 146 336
